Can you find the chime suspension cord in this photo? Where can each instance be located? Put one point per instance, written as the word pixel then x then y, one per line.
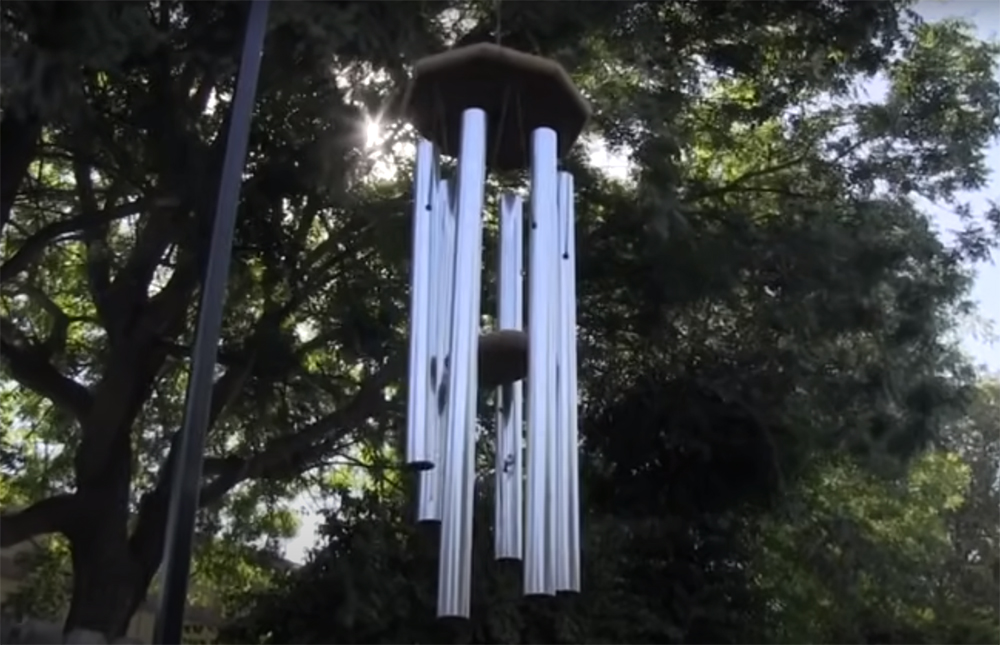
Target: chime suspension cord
pixel 508 99
pixel 188 461
pixel 496 8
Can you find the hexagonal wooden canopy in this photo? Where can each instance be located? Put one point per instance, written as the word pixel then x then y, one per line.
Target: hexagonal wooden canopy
pixel 518 91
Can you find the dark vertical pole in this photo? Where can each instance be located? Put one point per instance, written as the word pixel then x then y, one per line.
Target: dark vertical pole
pixel 198 400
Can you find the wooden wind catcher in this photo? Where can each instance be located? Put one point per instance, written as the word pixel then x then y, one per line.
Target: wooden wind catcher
pixel 493 108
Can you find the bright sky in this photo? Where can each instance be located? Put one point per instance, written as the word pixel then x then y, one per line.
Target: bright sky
pixel 985 14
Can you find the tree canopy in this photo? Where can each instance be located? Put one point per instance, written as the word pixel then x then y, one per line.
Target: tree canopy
pixel 769 382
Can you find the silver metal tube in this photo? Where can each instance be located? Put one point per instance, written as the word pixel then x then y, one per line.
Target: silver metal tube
pixel 455 561
pixel 561 450
pixel 442 267
pixel 553 449
pixel 566 397
pixel 468 499
pixel 568 298
pixel 540 356
pixel 508 529
pixel 416 413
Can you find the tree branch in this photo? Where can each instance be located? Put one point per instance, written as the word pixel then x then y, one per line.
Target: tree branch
pixel 164 313
pixel 18 141
pixel 292 454
pixel 183 352
pixel 738 183
pixel 148 539
pixel 51 515
pixel 55 342
pixel 39 241
pixel 95 238
pixel 29 367
pixel 228 387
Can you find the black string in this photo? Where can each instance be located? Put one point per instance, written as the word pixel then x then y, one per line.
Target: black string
pixel 500 123
pixel 496 7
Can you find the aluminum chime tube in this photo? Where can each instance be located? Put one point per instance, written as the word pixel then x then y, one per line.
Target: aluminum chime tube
pixel 442 247
pixel 508 528
pixel 417 440
pixel 540 524
pixel 541 366
pixel 568 397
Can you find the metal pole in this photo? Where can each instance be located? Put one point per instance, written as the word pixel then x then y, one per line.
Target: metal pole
pixel 198 400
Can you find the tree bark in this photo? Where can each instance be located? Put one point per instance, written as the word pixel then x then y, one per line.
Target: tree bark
pixel 50 515
pixel 18 142
pixel 112 570
pixel 104 576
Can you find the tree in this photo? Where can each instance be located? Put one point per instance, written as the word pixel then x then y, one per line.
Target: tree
pixel 847 557
pixel 853 559
pixel 790 386
pixel 811 312
pixel 102 264
pixel 971 575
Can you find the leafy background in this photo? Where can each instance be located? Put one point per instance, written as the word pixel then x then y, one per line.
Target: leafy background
pixel 782 439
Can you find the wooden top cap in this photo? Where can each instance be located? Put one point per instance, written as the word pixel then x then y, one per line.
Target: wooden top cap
pixel 519 93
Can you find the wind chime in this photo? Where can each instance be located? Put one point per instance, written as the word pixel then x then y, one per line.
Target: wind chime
pixel 494 108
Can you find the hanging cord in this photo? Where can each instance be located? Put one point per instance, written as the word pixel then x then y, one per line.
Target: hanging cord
pixel 499 16
pixel 442 118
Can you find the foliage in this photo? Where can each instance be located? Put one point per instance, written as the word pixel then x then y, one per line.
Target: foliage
pixel 847 557
pixel 224 573
pixel 373 582
pixel 913 560
pixel 853 556
pixel 43 593
pixel 759 300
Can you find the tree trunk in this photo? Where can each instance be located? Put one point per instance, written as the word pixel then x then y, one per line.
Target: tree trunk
pixel 112 571
pixel 103 573
pixel 113 568
pixel 107 575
